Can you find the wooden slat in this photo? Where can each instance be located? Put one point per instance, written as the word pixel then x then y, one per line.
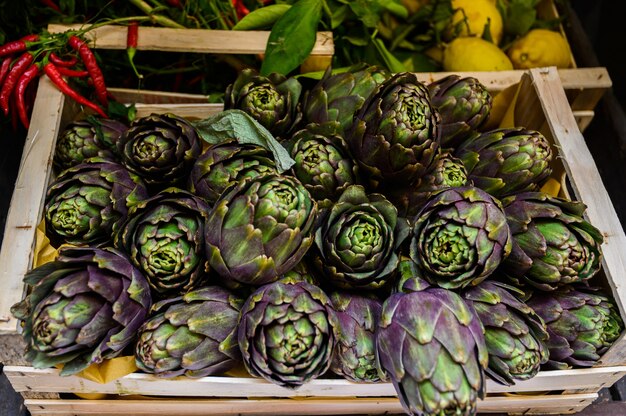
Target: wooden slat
pixel 518 404
pixel 29 379
pixel 191 40
pixel 190 111
pixel 27 200
pixel 588 187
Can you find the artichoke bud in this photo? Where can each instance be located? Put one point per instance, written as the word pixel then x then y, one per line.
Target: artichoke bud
pixel 273 101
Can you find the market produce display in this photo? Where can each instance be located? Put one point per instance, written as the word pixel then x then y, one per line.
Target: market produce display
pixel 359 243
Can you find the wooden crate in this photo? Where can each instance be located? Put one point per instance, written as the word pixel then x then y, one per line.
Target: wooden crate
pixel 584 86
pixel 542 105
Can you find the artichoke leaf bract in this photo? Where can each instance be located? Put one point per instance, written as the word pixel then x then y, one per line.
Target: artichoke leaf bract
pixel 83 308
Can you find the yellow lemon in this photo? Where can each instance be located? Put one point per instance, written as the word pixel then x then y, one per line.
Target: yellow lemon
pixel 540 47
pixel 477 13
pixel 474 54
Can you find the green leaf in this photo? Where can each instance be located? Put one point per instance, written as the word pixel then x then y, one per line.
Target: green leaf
pixel 238 124
pixel 391 61
pixel 292 37
pixel 487 31
pixel 122 112
pixel 357 40
pixel 395 8
pixel 339 15
pixel 520 18
pixel 262 18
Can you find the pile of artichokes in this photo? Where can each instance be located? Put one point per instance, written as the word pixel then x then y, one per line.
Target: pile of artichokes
pixel 405 244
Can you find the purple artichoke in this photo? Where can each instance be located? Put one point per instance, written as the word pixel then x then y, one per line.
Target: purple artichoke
pixel 225 163
pixel 286 333
pixel 164 238
pixel 582 324
pixel 460 237
pixel 431 345
pixel 83 308
pixel 87 203
pixel 553 245
pixel 355 354
pixel 193 335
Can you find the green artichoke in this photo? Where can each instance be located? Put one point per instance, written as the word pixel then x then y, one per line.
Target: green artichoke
pixel 357 241
pixel 460 237
pixel 194 335
pixel 87 203
pixel 82 308
pixel 286 332
pixel 431 345
pixel 552 244
pixel 323 163
pixel 506 161
pixel 164 238
pixel 273 101
pixel 355 354
pixel 582 324
pixel 514 334
pixel 92 137
pixel 160 148
pixel 225 163
pixel 464 105
pixel 260 229
pixel 445 172
pixel 338 97
pixel 395 134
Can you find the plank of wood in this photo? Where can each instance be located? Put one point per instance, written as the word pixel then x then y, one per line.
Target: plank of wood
pixel 27 200
pixel 164 39
pixel 29 379
pixel 345 406
pixel 189 111
pixel 588 188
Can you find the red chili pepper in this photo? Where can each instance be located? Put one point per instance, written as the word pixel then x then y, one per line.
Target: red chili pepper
pixel 16 71
pixel 71 72
pixel 56 77
pixel 132 37
pixel 4 68
pixel 174 3
pixel 16 46
pixel 51 4
pixel 240 8
pixel 70 62
pixel 92 68
pixel 28 75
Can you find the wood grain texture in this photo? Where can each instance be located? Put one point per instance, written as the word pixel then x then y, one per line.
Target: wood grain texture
pixel 190 40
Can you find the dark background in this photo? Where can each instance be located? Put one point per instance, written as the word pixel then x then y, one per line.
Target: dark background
pixel 597 33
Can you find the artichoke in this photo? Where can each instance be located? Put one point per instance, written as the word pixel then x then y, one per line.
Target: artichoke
pixel 323 163
pixel 92 137
pixel 164 238
pixel 338 97
pixel 357 241
pixel 83 308
pixel 225 163
pixel 506 161
pixel 464 105
pixel 160 148
pixel 87 203
pixel 460 237
pixel 395 135
pixel 273 101
pixel 260 229
pixel 286 333
pixel 552 244
pixel 445 172
pixel 194 335
pixel 431 345
pixel 355 354
pixel 514 334
pixel 582 324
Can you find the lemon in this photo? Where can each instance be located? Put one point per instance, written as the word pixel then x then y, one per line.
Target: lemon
pixel 474 54
pixel 540 47
pixel 478 13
